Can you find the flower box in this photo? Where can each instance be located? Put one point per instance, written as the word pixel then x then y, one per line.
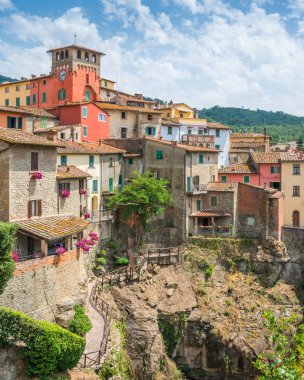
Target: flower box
pixel 65 193
pixel 37 175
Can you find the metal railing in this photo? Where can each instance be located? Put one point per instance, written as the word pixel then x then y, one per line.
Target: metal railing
pixel 197 189
pixel 199 139
pixel 97 216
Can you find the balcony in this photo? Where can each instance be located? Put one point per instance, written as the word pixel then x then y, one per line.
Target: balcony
pixel 199 140
pixel 197 189
pixel 99 216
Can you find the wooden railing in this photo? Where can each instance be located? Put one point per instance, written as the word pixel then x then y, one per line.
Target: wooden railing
pixel 164 256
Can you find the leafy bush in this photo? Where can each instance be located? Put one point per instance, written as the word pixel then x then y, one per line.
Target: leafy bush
pixel 101 261
pixel 47 347
pixel 81 323
pixel 7 264
pixel 206 268
pixel 102 252
pixel 120 261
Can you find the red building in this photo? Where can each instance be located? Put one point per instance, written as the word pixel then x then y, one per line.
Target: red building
pixel 94 121
pixel 75 77
pixel 261 169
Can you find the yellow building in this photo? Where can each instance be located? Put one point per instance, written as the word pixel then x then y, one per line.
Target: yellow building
pixel 177 111
pixel 292 183
pixel 15 93
pixel 107 84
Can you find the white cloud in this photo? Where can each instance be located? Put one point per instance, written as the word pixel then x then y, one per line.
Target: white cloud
pixel 231 58
pixel 6 4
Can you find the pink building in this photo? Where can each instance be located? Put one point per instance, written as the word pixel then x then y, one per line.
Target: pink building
pixel 242 173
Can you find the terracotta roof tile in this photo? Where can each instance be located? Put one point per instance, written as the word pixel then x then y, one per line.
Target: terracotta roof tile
pixel 53 227
pixel 110 106
pixel 70 171
pixel 14 136
pixel 248 144
pixel 246 135
pixel 26 110
pixel 209 213
pixel 87 148
pixel 76 46
pixel 222 186
pixel 57 128
pixel 188 148
pixel 238 168
pixel 288 156
pixel 217 126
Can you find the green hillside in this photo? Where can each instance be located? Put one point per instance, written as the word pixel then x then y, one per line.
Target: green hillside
pixel 3 78
pixel 281 126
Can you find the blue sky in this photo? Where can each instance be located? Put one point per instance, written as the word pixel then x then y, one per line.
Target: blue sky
pixel 246 53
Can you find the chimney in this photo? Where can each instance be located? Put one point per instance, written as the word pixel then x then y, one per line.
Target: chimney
pixel 52 135
pixel 160 137
pixel 68 169
pixel 33 76
pixel 99 141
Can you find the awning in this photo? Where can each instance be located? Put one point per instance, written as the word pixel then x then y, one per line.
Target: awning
pixel 209 214
pixel 53 227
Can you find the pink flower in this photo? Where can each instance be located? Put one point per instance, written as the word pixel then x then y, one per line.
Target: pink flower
pixel 83 191
pixel 37 175
pixel 87 215
pixel 15 256
pixel 60 250
pixel 65 193
pixel 86 249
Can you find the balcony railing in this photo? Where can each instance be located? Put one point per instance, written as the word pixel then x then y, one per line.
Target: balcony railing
pixel 197 189
pixel 214 230
pixel 199 140
pixel 99 216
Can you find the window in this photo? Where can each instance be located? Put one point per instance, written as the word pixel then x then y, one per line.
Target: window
pixel 217 146
pixel 86 56
pixel 28 86
pixel 14 122
pixel 120 180
pixel 250 221
pixel 91 161
pixel 246 179
pixel 34 84
pixel 84 112
pixel 198 205
pixel 61 94
pixel 87 95
pixel 150 131
pixel 189 132
pixel 274 169
pixel 62 55
pixel 123 133
pixel 57 56
pixel 95 185
pixel 213 200
pixel 78 54
pixel 169 130
pixel 87 78
pixel 296 191
pixel 28 100
pixel 63 160
pixel 101 117
pixel 44 82
pixel 111 162
pixel 62 136
pixel 168 114
pixel 111 187
pixel 66 54
pixel 85 131
pixel 217 133
pixel 224 178
pixel 6 90
pixel 34 161
pixel 150 117
pixel 64 186
pixel 296 169
pixel 181 115
pixel 17 102
pixel 18 88
pixel 130 161
pixel 124 115
pixel 43 121
pixel 296 219
pixel 44 97
pixel 206 131
pixel 6 102
pixel 159 155
pixel 105 83
pixel 201 158
pixel 34 208
pixel 200 131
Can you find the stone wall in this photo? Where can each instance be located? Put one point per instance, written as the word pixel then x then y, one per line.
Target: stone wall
pixel 4 181
pixel 71 205
pixel 40 286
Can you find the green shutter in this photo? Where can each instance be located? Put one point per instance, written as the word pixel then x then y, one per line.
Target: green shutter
pixel 9 122
pixel 43 121
pixel 17 102
pixel 6 102
pixel 120 180
pixel 44 97
pixel 224 178
pixel 147 130
pixel 217 133
pixel 153 131
pixel 34 98
pixel 19 122
pixel 159 154
pixel 110 185
pixel 91 161
pixel 188 184
pixel 28 100
pixel 169 130
pixel 63 160
pixel 246 179
pixel 85 131
pixel 84 112
pixel 88 95
pixel 95 185
pixel 201 158
pixel 198 205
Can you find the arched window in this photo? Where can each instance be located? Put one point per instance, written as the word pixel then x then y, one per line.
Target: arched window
pixel 86 56
pixel 93 58
pixel 79 54
pixel 57 56
pixel 66 54
pixel 296 219
pixel 207 145
pixel 62 55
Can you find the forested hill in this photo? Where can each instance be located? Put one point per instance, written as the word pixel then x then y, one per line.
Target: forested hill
pixel 281 126
pixel 3 78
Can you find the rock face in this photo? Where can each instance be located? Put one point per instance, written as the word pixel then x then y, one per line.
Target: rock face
pixel 11 364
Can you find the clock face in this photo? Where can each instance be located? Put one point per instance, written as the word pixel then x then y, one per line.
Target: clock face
pixel 62 75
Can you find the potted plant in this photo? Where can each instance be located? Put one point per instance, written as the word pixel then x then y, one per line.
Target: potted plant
pixel 37 175
pixel 65 193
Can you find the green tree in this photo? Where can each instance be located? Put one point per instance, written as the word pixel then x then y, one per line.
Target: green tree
pixel 300 142
pixel 286 338
pixel 144 198
pixel 7 264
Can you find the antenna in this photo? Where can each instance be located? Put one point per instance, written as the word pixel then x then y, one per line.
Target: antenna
pixel 75 36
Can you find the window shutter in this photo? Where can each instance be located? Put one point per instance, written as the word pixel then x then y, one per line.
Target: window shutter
pixel 29 209
pixel 19 122
pixel 60 188
pixel 68 186
pixel 81 212
pixel 39 207
pixel 34 161
pixel 9 121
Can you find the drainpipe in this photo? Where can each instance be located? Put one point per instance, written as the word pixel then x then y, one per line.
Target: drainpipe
pixel 101 177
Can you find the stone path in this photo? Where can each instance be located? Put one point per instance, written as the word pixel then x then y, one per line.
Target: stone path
pixel 95 335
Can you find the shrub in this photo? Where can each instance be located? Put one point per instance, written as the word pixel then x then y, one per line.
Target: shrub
pixel 47 347
pixel 101 261
pixel 7 264
pixel 102 252
pixel 122 261
pixel 81 323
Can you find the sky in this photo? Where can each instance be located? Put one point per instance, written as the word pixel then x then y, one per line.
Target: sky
pixel 232 53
